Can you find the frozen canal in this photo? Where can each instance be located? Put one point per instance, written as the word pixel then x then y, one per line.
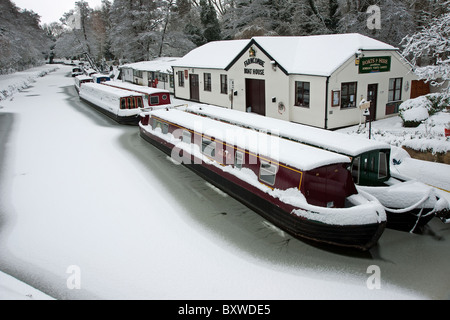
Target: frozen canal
pixel 88 210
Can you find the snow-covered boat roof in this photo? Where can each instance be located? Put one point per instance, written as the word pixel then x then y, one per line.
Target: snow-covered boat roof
pixel 135 87
pixel 101 89
pixel 297 155
pixel 161 64
pixel 312 55
pixel 325 139
pixel 83 77
pixel 99 75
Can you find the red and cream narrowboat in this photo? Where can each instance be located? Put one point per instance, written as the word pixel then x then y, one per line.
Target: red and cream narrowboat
pixel 306 191
pixel 409 205
pixel 121 105
pixel 154 98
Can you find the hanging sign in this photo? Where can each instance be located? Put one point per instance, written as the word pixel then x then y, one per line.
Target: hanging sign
pixel 374 64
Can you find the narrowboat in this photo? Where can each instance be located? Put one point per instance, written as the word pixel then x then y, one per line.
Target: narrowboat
pixel 305 191
pixel 121 105
pixel 154 98
pixel 76 71
pixel 409 205
pixel 79 80
pixel 99 78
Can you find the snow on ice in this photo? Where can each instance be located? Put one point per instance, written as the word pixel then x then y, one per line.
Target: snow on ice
pixel 78 189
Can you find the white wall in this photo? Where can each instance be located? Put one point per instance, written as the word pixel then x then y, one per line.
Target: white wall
pixel 349 72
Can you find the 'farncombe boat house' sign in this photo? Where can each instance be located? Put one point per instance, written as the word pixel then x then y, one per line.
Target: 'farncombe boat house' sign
pixel 374 64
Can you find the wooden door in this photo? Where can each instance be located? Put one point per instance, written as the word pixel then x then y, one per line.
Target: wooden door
pixel 194 87
pixel 372 95
pixel 255 96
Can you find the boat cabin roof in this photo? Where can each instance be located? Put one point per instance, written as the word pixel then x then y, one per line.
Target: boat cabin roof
pixel 322 138
pixel 84 77
pixel 274 148
pixel 135 87
pixel 106 90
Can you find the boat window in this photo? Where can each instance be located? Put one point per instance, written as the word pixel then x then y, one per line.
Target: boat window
pixel 267 173
pixel 165 128
pixel 383 163
pixel 139 102
pixel 164 97
pixel 186 136
pixel 238 159
pixel 123 104
pixel 208 147
pixel 355 169
pixel 131 103
pixel 154 100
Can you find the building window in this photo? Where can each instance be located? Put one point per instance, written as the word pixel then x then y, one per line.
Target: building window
pixel 207 81
pixel 223 84
pixel 348 95
pixel 395 89
pixel 171 81
pixel 180 78
pixel 302 94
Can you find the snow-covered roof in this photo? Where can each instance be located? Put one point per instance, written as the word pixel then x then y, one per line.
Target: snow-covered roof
pixel 135 87
pixel 318 55
pixel 83 77
pixel 100 90
pixel 285 151
pixel 161 64
pixel 213 55
pixel 313 55
pixel 325 139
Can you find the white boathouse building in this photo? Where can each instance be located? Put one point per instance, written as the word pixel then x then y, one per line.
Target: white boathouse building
pixel 314 80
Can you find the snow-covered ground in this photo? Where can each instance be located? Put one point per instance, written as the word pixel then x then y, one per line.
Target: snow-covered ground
pixel 88 210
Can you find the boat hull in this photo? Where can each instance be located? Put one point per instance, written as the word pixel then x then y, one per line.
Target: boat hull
pixel 412 221
pixel 354 236
pixel 126 120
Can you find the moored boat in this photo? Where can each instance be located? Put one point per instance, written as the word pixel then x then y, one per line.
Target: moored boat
pixel 409 205
pixel 79 80
pixel 303 190
pixel 154 98
pixel 121 105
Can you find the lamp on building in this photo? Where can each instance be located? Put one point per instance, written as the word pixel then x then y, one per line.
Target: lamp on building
pixel 274 65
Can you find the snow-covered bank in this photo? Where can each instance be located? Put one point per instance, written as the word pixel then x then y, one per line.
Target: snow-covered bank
pixel 13 289
pixel 12 83
pixel 428 136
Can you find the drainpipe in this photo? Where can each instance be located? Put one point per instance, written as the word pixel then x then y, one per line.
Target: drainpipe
pixel 326 103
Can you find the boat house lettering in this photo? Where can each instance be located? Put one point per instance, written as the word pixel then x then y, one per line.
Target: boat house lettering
pixel 375 64
pixel 253 60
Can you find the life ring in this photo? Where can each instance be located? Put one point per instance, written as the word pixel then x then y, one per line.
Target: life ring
pixel 281 108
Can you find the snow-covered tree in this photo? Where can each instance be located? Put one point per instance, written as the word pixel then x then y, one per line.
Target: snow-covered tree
pixel 429 50
pixel 23 43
